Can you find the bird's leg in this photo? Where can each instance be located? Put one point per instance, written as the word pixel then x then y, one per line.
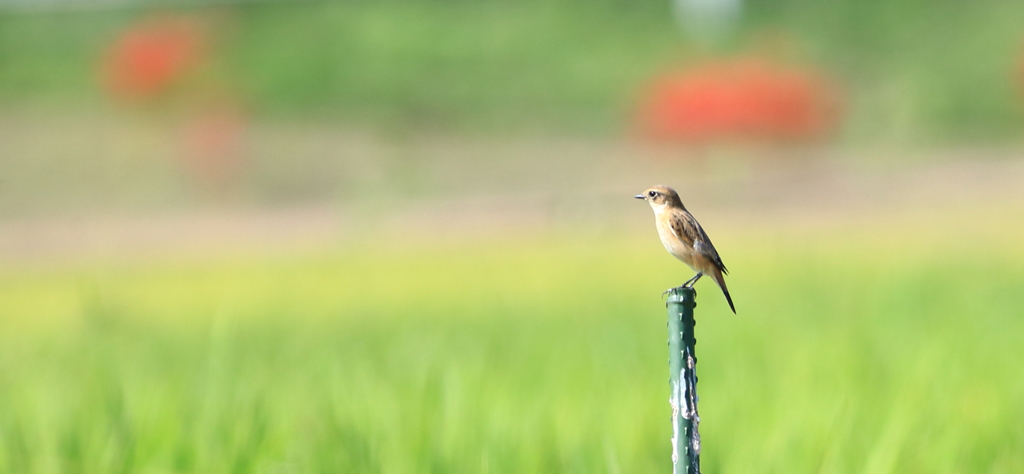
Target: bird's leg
pixel 689 283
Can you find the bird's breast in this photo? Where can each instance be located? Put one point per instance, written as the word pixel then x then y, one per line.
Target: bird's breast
pixel 673 244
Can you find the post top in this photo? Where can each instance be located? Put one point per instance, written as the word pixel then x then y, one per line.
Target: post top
pixel 681 295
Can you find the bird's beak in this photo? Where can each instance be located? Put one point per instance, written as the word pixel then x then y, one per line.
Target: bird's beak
pixel 640 196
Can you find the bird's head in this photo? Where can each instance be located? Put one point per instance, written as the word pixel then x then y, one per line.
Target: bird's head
pixel 661 197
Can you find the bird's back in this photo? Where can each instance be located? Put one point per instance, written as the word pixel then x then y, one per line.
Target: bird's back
pixel 686 240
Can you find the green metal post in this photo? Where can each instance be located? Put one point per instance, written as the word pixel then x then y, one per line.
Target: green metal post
pixel 682 368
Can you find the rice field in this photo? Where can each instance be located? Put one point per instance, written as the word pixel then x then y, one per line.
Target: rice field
pixel 852 352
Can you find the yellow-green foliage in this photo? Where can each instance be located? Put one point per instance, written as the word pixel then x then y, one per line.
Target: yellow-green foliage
pixel 852 354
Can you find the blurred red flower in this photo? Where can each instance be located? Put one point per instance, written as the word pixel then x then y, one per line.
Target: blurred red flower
pixel 152 55
pixel 746 99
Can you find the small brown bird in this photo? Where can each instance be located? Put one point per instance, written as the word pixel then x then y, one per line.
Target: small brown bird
pixel 684 238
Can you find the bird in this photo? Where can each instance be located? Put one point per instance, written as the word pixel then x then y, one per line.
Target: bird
pixel 684 238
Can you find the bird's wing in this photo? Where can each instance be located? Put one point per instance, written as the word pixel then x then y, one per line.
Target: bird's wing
pixel 685 227
pixel 689 230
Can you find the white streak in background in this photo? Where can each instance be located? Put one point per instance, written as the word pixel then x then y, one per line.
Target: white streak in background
pixel 708 21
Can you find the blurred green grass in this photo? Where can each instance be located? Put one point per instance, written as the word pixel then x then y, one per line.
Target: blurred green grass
pixel 541 354
pixel 912 69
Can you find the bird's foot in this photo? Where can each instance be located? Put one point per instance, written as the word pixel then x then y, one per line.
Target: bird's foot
pixel 663 293
pixel 682 287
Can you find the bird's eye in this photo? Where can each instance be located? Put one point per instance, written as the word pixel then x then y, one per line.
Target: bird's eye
pixel 652 194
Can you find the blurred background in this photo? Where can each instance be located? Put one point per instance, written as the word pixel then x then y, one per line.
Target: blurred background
pixel 399 236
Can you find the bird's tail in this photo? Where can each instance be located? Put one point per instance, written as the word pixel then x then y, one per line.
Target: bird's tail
pixel 721 283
